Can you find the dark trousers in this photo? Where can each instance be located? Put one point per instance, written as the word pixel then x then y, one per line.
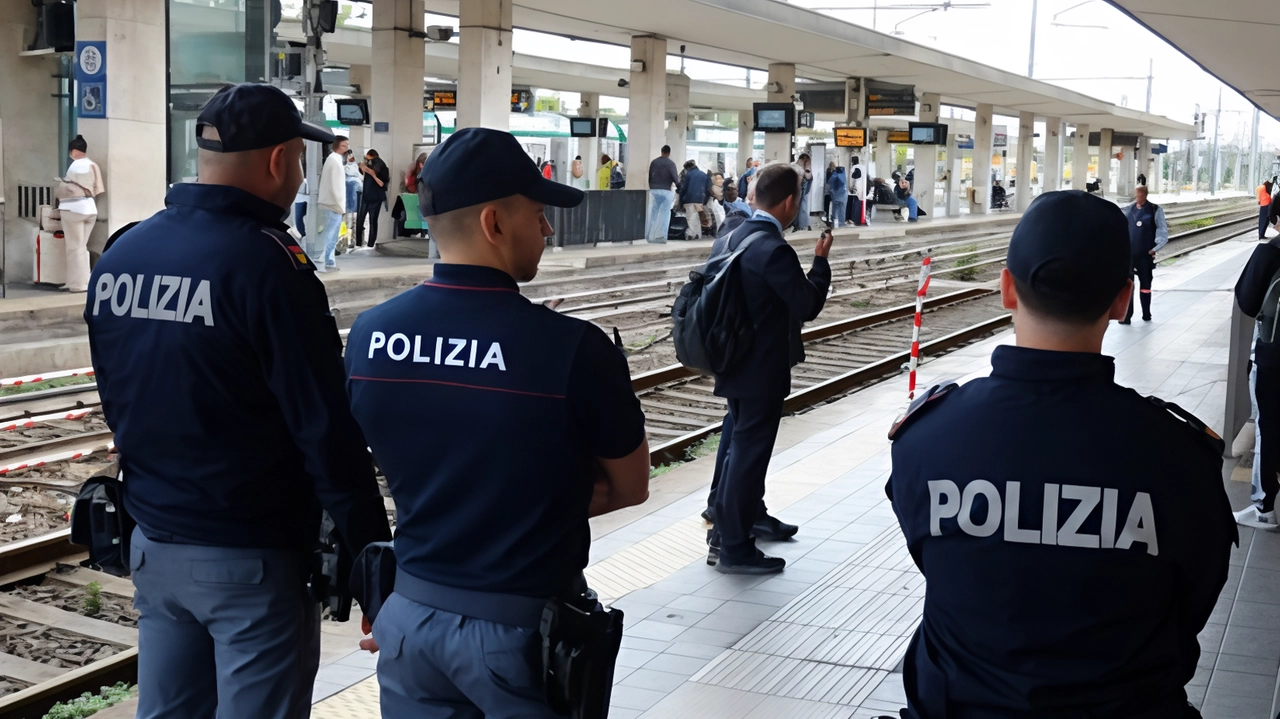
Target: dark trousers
pixel 857 210
pixel 1143 266
pixel 1263 213
pixel 300 217
pixel 1267 393
pixel 372 209
pixel 739 497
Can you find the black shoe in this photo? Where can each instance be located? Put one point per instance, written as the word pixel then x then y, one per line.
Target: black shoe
pixel 1146 318
pixel 713 547
pixel 772 529
pixel 759 564
pixel 1125 322
pixel 709 514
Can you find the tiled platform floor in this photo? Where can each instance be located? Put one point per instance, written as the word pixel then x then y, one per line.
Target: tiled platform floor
pixel 824 639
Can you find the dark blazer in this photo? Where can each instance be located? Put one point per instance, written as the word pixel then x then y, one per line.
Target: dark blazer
pixel 695 188
pixel 781 299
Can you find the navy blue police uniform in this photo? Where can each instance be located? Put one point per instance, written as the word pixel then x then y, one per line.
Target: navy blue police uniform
pixel 1074 535
pixel 1251 291
pixel 220 372
pixel 1148 231
pixel 486 412
pixel 781 298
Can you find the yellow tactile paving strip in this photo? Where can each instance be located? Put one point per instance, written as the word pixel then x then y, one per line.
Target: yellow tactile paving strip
pixel 649 560
pixel 359 701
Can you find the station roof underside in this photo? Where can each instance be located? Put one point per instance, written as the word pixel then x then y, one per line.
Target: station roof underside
pixel 1228 38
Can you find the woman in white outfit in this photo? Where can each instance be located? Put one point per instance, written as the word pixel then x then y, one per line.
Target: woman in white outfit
pixel 79 211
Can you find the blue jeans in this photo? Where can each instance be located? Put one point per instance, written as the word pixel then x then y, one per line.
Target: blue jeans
pixel 224 631
pixel 300 217
pixel 434 664
pixel 660 202
pixel 838 208
pixel 332 223
pixel 913 208
pixel 353 193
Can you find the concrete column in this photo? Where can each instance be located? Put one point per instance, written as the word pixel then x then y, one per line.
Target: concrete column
pixel 127 144
pixel 853 107
pixel 746 141
pixel 927 157
pixel 484 63
pixel 778 145
pixel 955 166
pixel 882 159
pixel 1144 162
pixel 983 139
pixel 1026 155
pixel 647 114
pixel 1080 158
pixel 677 125
pixel 1051 175
pixel 589 147
pixel 395 84
pixel 1105 152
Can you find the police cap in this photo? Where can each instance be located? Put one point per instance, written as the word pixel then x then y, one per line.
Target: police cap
pixel 1071 246
pixel 251 116
pixel 477 165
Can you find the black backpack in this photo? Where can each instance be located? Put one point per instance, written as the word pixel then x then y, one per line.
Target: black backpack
pixel 713 329
pixel 1270 312
pixel 99 521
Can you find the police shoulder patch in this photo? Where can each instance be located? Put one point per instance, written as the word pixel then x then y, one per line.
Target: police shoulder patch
pixel 1204 432
pixel 291 248
pixel 928 399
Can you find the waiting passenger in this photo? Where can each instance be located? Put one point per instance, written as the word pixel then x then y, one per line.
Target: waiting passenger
pixel 999 197
pixel 904 198
pixel 694 189
pixel 1251 294
pixel 1074 535
pixel 537 429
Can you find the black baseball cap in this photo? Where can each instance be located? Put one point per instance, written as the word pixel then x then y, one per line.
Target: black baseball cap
pixel 251 116
pixel 477 165
pixel 1071 246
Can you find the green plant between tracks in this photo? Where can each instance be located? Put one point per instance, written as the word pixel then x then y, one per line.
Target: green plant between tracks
pixel 92 599
pixel 968 273
pixel 89 704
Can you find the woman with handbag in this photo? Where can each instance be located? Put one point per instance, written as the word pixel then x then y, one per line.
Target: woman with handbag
pixel 75 193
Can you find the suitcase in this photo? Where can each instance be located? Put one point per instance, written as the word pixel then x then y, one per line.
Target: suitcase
pixel 678 228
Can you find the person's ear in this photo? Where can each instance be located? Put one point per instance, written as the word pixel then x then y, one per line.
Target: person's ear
pixel 1008 293
pixel 491 225
pixel 1120 306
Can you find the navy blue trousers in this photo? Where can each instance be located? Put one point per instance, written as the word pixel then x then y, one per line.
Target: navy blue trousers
pixel 740 495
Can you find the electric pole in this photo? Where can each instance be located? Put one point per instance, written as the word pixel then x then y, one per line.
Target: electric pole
pixel 1255 175
pixel 1031 56
pixel 313 111
pixel 1214 176
pixel 1151 71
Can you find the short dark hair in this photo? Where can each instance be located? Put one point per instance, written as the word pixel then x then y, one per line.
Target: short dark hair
pixel 803 156
pixel 371 152
pixel 604 158
pixel 78 144
pixel 853 160
pixel 666 149
pixel 1074 310
pixel 690 164
pixel 775 183
pixel 730 189
pixel 337 139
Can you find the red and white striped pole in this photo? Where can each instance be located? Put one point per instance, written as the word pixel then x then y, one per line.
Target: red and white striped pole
pixel 915 330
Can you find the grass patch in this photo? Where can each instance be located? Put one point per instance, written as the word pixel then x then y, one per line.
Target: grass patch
pixel 704 448
pixel 1196 224
pixel 46 384
pixel 89 704
pixel 860 303
pixel 92 599
pixel 968 273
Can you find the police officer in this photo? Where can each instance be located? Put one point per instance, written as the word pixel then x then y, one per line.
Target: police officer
pixel 220 372
pixel 1074 535
pixel 501 426
pixel 1148 232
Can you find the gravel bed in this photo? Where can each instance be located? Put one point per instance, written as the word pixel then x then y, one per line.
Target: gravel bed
pixel 71 597
pixel 52 429
pixel 55 647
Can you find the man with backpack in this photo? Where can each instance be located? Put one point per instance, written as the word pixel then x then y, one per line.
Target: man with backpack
pixel 779 298
pixel 839 196
pixel 1256 301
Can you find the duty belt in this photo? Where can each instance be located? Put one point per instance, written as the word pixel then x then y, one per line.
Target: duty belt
pixel 510 609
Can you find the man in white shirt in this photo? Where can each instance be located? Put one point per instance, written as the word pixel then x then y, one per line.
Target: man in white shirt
pixel 333 201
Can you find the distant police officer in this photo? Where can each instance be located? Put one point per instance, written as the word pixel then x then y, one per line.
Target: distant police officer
pixel 220 372
pixel 1148 232
pixel 1074 535
pixel 501 427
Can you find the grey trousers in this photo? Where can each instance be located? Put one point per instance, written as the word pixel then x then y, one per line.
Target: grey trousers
pixel 224 633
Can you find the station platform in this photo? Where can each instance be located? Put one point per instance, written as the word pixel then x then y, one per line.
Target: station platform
pixel 825 639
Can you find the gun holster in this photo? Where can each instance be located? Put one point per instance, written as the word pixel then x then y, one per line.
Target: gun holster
pixel 373 578
pixel 100 522
pixel 580 641
pixel 331 565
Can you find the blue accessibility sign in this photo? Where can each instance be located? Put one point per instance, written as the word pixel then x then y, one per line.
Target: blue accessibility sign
pixel 91 78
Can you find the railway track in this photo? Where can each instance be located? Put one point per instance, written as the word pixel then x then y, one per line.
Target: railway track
pixel 680 408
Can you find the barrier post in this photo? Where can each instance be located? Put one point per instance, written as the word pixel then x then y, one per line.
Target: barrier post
pixel 915 329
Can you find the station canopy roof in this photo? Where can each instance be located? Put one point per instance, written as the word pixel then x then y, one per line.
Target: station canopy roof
pixel 756 33
pixel 1230 39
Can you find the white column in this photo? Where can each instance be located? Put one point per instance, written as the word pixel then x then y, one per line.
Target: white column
pixel 647 112
pixel 395 84
pixel 746 141
pixel 882 160
pixel 1144 161
pixel 589 147
pixel 484 63
pixel 128 143
pixel 955 166
pixel 983 138
pixel 852 117
pixel 926 176
pixel 1080 158
pixel 777 145
pixel 1051 175
pixel 1105 152
pixel 1026 154
pixel 678 126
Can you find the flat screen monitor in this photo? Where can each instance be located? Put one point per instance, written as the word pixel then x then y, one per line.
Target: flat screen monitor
pixel 928 133
pixel 353 112
pixel 851 137
pixel 775 117
pixel 582 127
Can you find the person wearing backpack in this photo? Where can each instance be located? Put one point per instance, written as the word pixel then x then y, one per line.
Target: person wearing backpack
pixel 839 196
pixel 1255 300
pixel 779 299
